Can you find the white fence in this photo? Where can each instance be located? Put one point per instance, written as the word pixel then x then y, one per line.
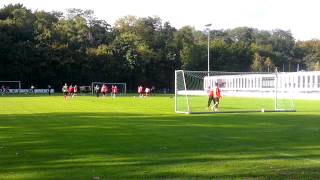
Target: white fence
pixel 297 85
pixel 26 91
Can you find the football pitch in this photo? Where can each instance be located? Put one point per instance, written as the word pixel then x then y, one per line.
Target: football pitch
pixel 45 137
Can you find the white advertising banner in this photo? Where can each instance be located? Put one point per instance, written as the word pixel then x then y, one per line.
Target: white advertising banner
pixel 24 91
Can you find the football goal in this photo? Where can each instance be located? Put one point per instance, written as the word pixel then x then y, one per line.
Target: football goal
pixel 122 87
pixel 11 84
pixel 240 92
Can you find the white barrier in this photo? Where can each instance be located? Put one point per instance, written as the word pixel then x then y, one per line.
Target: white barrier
pixel 315 95
pixel 296 85
pixel 268 94
pixel 26 91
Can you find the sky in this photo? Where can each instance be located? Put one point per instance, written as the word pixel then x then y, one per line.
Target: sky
pixel 301 17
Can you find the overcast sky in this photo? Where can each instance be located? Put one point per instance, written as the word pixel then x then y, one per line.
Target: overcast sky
pixel 299 16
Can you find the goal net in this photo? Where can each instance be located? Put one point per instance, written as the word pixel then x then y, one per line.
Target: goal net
pixel 10 84
pixel 240 92
pixel 122 87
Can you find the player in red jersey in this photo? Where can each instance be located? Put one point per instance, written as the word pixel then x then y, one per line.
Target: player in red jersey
pixel 211 96
pixel 217 97
pixel 71 90
pixel 104 90
pixel 140 91
pixel 214 96
pixel 114 91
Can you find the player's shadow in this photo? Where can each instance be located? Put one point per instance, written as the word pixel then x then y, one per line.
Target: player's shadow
pixel 128 145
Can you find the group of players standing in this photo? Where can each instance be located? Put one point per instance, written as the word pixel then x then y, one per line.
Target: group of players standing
pixel 145 91
pixel 69 91
pixel 105 89
pixel 214 96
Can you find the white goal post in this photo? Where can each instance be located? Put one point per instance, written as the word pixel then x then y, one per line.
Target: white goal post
pixel 122 87
pixel 241 92
pixel 16 84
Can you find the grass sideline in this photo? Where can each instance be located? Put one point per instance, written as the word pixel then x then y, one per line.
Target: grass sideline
pixel 45 137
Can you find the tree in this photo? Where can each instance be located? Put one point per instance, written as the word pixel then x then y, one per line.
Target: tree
pixel 51 47
pixel 185 40
pixel 268 64
pixel 309 52
pixel 257 64
pixel 17 43
pixel 243 34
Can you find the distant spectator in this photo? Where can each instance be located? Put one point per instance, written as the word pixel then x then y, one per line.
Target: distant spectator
pixel 164 90
pixel 153 89
pixel 49 89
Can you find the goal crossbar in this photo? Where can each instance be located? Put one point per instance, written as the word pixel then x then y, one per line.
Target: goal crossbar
pixel 19 83
pixel 241 92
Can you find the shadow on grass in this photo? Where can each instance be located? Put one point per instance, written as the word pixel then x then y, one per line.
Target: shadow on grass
pixel 135 146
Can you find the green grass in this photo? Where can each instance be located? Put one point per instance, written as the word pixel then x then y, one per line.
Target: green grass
pixel 198 104
pixel 142 138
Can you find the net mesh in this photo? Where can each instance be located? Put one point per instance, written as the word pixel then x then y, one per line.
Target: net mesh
pixel 241 91
pixel 180 99
pixel 10 84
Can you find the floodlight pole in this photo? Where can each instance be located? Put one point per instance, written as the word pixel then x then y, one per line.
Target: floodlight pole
pixel 208 29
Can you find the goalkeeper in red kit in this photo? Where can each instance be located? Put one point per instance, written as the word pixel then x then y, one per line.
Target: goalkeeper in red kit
pixel 214 96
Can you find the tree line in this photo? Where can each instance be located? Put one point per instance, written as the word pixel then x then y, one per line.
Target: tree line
pixel 53 48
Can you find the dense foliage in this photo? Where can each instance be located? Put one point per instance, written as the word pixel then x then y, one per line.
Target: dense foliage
pixel 52 48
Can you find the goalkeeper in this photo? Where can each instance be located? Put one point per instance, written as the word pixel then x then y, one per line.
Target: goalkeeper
pixel 217 97
pixel 214 96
